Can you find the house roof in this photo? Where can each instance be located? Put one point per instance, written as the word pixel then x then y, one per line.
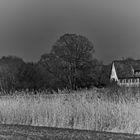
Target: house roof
pixel 125 68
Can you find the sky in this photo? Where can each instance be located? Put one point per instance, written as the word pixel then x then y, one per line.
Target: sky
pixel 29 28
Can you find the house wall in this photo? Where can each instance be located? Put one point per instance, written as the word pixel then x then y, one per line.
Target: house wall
pixel 129 82
pixel 113 73
pixel 134 81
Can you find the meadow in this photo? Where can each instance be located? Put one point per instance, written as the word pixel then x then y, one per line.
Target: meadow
pixel 112 110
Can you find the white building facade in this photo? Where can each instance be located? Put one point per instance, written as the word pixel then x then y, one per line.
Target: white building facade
pixel 122 79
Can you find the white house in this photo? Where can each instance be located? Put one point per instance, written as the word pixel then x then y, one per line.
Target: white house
pixel 126 73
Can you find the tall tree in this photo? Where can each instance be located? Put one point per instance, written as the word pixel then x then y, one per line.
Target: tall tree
pixel 70 55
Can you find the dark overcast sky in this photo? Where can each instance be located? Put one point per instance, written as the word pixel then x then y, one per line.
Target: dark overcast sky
pixel 28 28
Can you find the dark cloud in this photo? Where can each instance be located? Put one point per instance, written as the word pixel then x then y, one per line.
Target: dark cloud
pixel 29 28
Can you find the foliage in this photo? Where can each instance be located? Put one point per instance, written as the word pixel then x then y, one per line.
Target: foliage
pixel 71 61
pixel 69 65
pixel 9 72
pixel 29 77
pixel 104 77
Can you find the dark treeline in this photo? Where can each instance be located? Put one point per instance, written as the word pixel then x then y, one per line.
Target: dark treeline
pixel 70 64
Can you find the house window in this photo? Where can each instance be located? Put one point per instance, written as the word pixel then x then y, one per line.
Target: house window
pixel 137 73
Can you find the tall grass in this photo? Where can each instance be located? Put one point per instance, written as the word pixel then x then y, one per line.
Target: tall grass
pixel 102 110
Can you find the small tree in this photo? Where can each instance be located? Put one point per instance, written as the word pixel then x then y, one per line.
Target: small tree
pixel 30 77
pixel 9 69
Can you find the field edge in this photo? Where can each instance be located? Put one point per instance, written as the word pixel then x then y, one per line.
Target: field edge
pixel 49 133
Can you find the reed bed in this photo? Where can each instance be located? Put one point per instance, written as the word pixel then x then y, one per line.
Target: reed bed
pixel 101 110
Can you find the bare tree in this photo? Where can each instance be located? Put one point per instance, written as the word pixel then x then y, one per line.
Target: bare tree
pixel 70 54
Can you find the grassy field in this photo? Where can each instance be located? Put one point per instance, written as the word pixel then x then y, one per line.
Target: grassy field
pixel 112 110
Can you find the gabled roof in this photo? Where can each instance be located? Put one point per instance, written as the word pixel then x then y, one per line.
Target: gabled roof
pixel 125 69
